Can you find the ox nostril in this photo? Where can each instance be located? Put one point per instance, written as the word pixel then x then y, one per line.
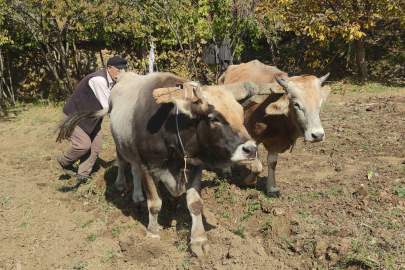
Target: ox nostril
pixel 250 151
pixel 317 136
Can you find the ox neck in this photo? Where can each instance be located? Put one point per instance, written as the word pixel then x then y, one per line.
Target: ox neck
pixel 290 135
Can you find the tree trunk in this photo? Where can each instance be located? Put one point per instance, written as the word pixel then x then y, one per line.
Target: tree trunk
pixel 272 53
pixel 361 57
pixel 1 83
pixel 12 95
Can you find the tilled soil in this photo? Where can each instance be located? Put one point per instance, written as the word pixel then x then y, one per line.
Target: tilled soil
pixel 342 204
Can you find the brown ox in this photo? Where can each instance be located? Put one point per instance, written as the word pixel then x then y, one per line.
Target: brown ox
pixel 280 119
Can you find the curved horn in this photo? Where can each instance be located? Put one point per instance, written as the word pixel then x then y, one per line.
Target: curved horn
pixel 282 81
pixel 323 79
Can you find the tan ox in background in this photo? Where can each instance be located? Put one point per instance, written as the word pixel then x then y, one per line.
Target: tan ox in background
pixel 280 119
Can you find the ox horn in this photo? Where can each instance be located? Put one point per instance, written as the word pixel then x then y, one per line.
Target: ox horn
pixel 323 79
pixel 282 81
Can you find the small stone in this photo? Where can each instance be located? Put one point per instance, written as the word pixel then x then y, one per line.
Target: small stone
pixel 173 223
pixel 214 211
pixel 254 195
pixel 266 207
pixel 278 212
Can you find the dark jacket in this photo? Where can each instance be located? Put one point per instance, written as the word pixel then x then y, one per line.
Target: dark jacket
pixel 84 99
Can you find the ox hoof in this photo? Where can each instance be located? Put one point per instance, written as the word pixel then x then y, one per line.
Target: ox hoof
pixel 251 180
pixel 120 187
pixel 153 235
pixel 200 249
pixel 226 173
pixel 138 199
pixel 274 194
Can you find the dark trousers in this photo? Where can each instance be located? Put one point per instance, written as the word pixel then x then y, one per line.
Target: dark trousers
pixel 84 147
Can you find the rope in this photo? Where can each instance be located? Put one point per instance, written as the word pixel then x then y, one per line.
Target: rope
pixel 181 144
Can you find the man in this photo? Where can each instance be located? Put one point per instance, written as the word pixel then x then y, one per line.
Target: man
pixel 91 94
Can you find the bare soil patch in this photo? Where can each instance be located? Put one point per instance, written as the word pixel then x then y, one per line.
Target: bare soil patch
pixel 342 205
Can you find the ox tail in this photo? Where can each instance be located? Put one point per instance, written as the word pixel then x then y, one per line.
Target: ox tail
pixel 68 124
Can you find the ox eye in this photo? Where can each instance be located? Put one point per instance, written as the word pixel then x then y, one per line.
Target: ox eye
pixel 297 105
pixel 213 119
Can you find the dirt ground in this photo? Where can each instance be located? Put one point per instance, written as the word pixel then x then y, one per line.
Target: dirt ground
pixel 342 204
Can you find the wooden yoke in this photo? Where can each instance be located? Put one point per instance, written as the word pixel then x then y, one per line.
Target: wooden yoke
pixel 240 90
pixel 185 91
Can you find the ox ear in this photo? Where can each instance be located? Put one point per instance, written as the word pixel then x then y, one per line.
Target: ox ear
pixel 281 106
pixel 325 90
pixel 183 105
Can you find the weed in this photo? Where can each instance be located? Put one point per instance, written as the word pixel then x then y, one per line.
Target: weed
pixel 224 185
pixel 253 206
pixel 400 192
pixel 313 195
pixel 25 224
pixel 231 199
pixel 100 195
pixel 239 230
pixel 224 214
pixel 111 255
pixel 88 222
pixel 116 230
pixel 186 263
pixel 303 213
pixel 106 208
pixel 118 202
pixel 285 239
pixel 91 237
pixel 5 201
pixel 266 227
pixel 111 188
pixel 332 191
pixel 181 248
pixel 80 266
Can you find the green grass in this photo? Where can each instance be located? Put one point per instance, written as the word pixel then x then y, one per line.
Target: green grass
pixel 266 227
pixel 240 230
pixel 253 206
pixel 91 237
pixel 88 222
pixel 116 230
pixel 25 225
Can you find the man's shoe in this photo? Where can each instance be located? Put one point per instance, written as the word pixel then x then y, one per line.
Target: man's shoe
pixel 82 179
pixel 70 170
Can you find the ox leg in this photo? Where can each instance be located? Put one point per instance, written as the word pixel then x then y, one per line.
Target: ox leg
pixel 120 183
pixel 199 244
pixel 272 189
pixel 256 169
pixel 137 196
pixel 154 204
pixel 227 173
